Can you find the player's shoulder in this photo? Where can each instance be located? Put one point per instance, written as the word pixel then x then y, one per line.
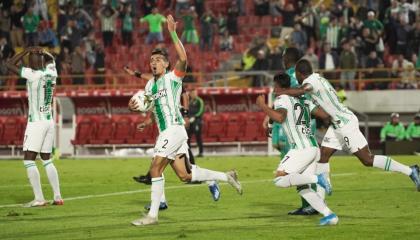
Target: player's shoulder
pixel 282 99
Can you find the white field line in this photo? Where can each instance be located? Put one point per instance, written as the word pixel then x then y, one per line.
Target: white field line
pixel 148 190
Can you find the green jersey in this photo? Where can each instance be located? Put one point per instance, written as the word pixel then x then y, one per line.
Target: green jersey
pixel 166 93
pixel 413 131
pixel 155 22
pixel 40 85
pixel 392 131
pixel 297 125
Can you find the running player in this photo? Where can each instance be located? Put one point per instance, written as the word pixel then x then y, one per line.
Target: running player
pixel 344 132
pixel 40 78
pixel 171 145
pixel 298 165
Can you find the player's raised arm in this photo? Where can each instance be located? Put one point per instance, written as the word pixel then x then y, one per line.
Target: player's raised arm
pixel 296 92
pixel 276 115
pixel 181 64
pixel 138 74
pixel 12 64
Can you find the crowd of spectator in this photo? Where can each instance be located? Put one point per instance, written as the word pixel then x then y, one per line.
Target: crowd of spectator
pixel 342 35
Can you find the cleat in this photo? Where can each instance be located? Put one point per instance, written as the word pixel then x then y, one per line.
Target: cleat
pixel 162 206
pixel 415 176
pixel 331 219
pixel 146 220
pixel 215 191
pixel 307 211
pixel 35 203
pixel 323 182
pixel 58 202
pixel 232 177
pixel 146 179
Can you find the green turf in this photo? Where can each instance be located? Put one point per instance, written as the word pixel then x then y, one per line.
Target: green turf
pixel 371 204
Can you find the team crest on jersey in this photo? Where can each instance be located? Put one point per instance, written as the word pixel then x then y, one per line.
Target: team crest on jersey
pixel 159 94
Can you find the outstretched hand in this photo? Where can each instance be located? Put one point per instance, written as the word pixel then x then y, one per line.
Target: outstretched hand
pixel 171 23
pixel 261 100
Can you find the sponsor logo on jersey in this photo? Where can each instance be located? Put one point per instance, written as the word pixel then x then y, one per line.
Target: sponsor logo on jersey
pixel 159 94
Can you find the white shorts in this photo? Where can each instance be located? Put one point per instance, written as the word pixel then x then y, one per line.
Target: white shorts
pixel 39 136
pixel 171 142
pixel 347 137
pixel 298 160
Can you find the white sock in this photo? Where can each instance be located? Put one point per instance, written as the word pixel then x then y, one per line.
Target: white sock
pixel 322 168
pixel 388 164
pixel 295 179
pixel 211 183
pixel 316 202
pixel 52 177
pixel 34 179
pixel 163 198
pixel 202 174
pixel 320 191
pixel 155 195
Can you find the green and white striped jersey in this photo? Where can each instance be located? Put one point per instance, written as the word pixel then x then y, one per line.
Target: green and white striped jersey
pixel 40 86
pixel 166 93
pixel 297 124
pixel 325 96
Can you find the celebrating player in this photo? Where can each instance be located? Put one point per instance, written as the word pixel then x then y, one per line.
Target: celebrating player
pixel 40 78
pixel 171 145
pixel 344 132
pixel 297 167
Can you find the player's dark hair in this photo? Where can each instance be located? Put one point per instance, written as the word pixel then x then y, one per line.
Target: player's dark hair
pixel 291 55
pixel 304 67
pixel 282 79
pixel 161 51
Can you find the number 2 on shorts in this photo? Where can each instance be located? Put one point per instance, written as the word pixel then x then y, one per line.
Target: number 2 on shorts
pixel 166 143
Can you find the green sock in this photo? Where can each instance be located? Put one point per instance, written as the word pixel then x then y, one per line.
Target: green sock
pixel 304 202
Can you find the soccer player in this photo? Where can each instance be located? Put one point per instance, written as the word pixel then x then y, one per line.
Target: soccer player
pixel 40 78
pixel 344 132
pixel 297 168
pixel 171 144
pixel 146 179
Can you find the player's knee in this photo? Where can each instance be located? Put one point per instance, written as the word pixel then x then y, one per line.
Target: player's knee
pixel 185 177
pixel 368 161
pixel 45 156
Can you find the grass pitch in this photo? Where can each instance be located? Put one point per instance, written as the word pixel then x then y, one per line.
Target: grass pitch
pixel 101 199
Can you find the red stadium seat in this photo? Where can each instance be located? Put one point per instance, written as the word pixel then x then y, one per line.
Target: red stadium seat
pixel 85 129
pixel 12 131
pixel 123 130
pixel 250 128
pixel 233 127
pixel 105 128
pixel 214 127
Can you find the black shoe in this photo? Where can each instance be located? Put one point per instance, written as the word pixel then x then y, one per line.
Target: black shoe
pixel 146 179
pixel 304 211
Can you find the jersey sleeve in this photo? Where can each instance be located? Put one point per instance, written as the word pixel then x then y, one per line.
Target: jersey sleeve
pixel 281 103
pixel 28 73
pixel 310 81
pixel 311 105
pixel 176 75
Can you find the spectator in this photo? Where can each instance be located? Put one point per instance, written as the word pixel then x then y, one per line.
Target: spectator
pixel 376 26
pixel 41 9
pixel 348 11
pixel 261 64
pixel 221 24
pixel 70 35
pixel 16 34
pixel 404 69
pixel 332 35
pixel 78 66
pixel 367 44
pixel 393 9
pixel 99 64
pixel 373 63
pixel 288 13
pixel 226 42
pixel 190 33
pixel 64 66
pixel 276 59
pixel 127 26
pixel 181 5
pixel 241 7
pixel 413 129
pixel 6 52
pixel 261 7
pixel 30 24
pixel 312 58
pixel 341 93
pixel 275 5
pixel 148 6
pixel 206 25
pixel 248 60
pixel 89 44
pixel 46 36
pixel 199 7
pixel 299 37
pixel 196 111
pixel 5 24
pixel 403 33
pixel 328 61
pixel 107 16
pixel 84 21
pixel 415 39
pixel 348 60
pixel 393 130
pixel 232 19
pixel 155 21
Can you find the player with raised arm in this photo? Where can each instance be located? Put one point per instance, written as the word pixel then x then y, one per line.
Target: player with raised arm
pixel 171 145
pixel 297 167
pixel 344 132
pixel 40 78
